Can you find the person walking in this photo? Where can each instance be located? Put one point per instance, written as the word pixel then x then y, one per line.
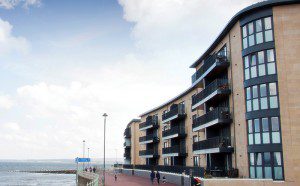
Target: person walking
pixel 157 177
pixel 152 176
pixel 116 177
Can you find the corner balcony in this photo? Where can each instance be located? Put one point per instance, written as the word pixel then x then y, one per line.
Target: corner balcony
pixel 219 115
pixel 176 112
pixel 151 122
pixel 127 133
pixel 212 66
pixel 213 145
pixel 175 150
pixel 148 139
pixel 127 144
pixel 150 153
pixel 127 155
pixel 214 91
pixel 174 132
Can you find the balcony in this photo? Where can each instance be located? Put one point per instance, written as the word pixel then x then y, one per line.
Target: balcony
pixel 176 112
pixel 213 145
pixel 150 138
pixel 150 153
pixel 175 150
pixel 127 155
pixel 151 122
pixel 214 91
pixel 127 144
pixel 127 133
pixel 174 132
pixel 212 66
pixel 219 115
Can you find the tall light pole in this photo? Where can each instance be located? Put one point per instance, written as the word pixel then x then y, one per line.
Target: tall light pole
pixel 104 115
pixel 83 151
pixel 88 156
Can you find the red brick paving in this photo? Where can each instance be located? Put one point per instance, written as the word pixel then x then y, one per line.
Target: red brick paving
pixel 126 180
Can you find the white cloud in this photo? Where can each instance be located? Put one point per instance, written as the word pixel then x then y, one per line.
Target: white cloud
pixel 10 4
pixel 11 126
pixel 6 102
pixel 10 43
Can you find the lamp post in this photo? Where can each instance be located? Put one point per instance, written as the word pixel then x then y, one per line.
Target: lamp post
pixel 83 151
pixel 104 115
pixel 88 155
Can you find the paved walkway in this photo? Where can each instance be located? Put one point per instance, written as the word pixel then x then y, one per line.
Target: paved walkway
pixel 126 180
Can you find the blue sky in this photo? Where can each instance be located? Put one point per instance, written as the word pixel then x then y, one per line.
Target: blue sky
pixel 64 63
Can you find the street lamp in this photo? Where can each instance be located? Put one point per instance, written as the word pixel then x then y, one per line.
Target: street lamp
pixel 88 155
pixel 83 151
pixel 104 115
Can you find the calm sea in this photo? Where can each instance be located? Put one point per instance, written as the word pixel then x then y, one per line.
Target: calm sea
pixel 10 173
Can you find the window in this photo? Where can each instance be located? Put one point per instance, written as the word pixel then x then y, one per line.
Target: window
pixel 266 165
pixel 259 64
pixel 263 131
pixel 196 161
pixel 257 32
pixel 167 161
pixel 195 138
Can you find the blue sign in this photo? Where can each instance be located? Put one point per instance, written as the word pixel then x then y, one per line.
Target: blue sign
pixel 77 160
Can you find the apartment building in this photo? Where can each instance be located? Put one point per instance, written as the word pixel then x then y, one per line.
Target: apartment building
pixel 241 113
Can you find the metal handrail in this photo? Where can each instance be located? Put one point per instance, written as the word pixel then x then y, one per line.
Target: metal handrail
pixel 176 109
pixel 216 113
pixel 174 149
pixel 214 142
pixel 174 130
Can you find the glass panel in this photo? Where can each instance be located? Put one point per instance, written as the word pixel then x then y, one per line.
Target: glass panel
pixel 250 28
pixel 251 158
pixel 266 137
pixel 244 31
pixel 258 172
pixel 264 103
pixel 250 137
pixel 259 38
pixel 261 70
pixel 257 138
pixel 255 104
pixel 271 68
pixel 246 61
pixel 245 44
pixel 268 172
pixel 272 89
pixel 252 172
pixel 254 92
pixel 258 159
pixel 256 125
pixel 268 36
pixel 273 102
pixel 249 106
pixel 253 60
pixel 260 56
pixel 251 40
pixel 275 137
pixel 263 90
pixel 277 159
pixel 265 124
pixel 247 73
pixel 253 72
pixel 268 23
pixel 248 93
pixel 267 158
pixel 278 173
pixel 258 25
pixel 250 128
pixel 270 55
pixel 275 123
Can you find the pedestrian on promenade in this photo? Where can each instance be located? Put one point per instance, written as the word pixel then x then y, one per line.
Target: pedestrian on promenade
pixel 116 177
pixel 152 176
pixel 164 180
pixel 157 177
pixel 94 169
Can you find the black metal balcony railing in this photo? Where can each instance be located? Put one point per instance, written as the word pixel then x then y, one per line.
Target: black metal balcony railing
pixel 220 57
pixel 127 155
pixel 175 110
pixel 149 121
pixel 148 138
pixel 127 144
pixel 180 130
pixel 174 149
pixel 127 133
pixel 197 171
pixel 209 89
pixel 221 113
pixel 216 142
pixel 148 152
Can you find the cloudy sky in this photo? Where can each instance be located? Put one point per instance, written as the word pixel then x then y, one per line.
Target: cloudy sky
pixel 64 63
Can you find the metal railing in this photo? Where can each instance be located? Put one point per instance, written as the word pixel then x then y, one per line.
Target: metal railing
pixel 127 133
pixel 148 152
pixel 151 120
pixel 127 154
pixel 177 169
pixel 216 113
pixel 174 149
pixel 214 142
pixel 213 86
pixel 127 144
pixel 148 137
pixel 220 57
pixel 180 130
pixel 175 110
